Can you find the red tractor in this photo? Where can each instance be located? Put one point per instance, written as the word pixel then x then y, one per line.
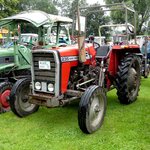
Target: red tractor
pixel 59 77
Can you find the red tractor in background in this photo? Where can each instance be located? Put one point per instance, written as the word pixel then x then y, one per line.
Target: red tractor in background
pixel 64 74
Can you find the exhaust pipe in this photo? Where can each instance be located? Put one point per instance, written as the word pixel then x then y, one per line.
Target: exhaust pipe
pixel 81 46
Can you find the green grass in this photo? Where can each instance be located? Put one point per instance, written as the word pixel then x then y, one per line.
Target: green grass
pixel 124 127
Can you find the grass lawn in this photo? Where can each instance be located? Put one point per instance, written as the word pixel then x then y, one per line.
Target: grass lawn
pixel 124 127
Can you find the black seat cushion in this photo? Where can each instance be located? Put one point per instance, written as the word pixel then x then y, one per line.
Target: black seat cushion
pixel 102 50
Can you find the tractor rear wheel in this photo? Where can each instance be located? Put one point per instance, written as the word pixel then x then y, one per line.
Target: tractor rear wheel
pixel 128 79
pixel 5 88
pixel 19 98
pixel 92 108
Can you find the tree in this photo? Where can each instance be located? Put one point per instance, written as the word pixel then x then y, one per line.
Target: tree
pixel 96 19
pixel 8 7
pixel 73 12
pixel 93 19
pixel 64 6
pixel 142 8
pixel 43 5
pixel 73 8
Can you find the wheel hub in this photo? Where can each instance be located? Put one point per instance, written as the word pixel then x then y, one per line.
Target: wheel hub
pixel 96 110
pixel 4 98
pixel 132 79
pixel 24 100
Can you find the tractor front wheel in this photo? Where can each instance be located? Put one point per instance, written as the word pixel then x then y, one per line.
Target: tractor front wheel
pixel 92 108
pixel 19 98
pixel 5 88
pixel 128 79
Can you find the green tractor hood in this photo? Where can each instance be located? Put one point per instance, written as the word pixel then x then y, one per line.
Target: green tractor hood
pixel 6 59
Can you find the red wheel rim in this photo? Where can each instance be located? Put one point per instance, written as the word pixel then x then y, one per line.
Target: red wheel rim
pixel 3 98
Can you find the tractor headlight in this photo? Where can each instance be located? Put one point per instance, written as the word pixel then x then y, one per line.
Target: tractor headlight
pixel 50 87
pixel 38 85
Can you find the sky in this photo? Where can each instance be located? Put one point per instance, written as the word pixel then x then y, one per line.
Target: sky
pixel 94 1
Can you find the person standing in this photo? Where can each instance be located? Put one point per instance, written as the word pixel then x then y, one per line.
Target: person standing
pixel 148 49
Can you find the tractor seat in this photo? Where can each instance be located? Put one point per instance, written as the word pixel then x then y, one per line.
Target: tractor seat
pixel 102 51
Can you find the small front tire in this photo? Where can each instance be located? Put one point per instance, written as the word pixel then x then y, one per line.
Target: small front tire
pixel 19 98
pixel 92 108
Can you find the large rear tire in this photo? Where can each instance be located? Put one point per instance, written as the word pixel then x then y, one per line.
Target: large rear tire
pixel 128 79
pixel 5 88
pixel 19 97
pixel 92 108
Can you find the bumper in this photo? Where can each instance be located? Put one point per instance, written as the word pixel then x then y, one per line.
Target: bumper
pixel 44 100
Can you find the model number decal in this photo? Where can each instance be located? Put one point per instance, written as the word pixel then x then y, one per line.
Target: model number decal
pixel 73 58
pixel 69 58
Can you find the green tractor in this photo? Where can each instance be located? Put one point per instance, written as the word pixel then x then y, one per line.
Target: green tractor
pixel 16 45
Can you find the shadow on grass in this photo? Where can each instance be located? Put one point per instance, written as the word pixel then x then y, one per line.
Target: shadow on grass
pixel 67 115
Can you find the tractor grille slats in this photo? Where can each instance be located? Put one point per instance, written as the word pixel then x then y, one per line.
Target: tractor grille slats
pixel 43 74
pixel 48 79
pixel 36 58
pixel 36 68
pixel 39 73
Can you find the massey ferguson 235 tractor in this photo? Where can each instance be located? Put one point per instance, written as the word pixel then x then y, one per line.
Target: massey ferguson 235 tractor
pixel 62 74
pixel 15 49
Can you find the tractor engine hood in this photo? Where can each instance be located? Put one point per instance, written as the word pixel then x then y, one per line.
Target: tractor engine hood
pixel 6 58
pixel 71 53
pixel 6 52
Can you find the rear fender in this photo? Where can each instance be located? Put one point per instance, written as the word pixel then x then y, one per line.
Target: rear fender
pixel 117 54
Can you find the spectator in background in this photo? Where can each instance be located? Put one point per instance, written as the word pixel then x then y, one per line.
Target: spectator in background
pixel 91 38
pixel 146 47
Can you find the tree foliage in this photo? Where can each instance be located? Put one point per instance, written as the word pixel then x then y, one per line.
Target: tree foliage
pixel 64 6
pixel 93 19
pixel 43 5
pixel 96 19
pixel 8 7
pixel 142 8
pixel 74 5
pixel 11 7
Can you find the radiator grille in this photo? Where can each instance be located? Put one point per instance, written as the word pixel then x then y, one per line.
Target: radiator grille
pixel 47 72
pixel 41 74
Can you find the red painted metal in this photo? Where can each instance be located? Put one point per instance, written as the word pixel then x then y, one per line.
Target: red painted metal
pixel 66 66
pixel 3 98
pixel 117 52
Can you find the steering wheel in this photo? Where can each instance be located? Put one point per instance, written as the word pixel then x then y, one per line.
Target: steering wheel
pixel 28 43
pixel 96 45
pixel 131 31
pixel 62 44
